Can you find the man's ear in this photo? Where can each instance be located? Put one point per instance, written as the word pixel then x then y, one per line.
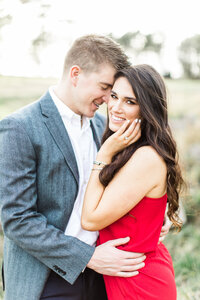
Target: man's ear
pixel 74 74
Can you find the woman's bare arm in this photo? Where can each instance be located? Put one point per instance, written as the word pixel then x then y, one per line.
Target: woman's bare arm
pixel 140 176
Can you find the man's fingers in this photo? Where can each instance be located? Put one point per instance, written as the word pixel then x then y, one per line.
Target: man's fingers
pixel 126 254
pixel 161 239
pixel 127 274
pixel 134 261
pixel 165 228
pixel 119 242
pixel 132 255
pixel 163 233
pixel 132 268
pixel 167 224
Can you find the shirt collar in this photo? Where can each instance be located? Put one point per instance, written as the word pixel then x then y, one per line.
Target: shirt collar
pixel 66 112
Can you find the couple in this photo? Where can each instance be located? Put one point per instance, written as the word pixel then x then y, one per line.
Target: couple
pixel 50 151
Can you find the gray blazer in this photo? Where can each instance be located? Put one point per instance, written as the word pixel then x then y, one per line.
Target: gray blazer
pixel 38 186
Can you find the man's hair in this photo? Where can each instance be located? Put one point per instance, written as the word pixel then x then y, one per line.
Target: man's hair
pixel 90 51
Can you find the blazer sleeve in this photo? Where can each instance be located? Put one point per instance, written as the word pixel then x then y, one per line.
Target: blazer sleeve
pixel 21 221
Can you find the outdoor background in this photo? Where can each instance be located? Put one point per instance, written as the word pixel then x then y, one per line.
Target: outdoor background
pixel 34 37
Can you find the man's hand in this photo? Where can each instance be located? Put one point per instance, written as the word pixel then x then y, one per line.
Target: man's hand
pixel 109 260
pixel 165 229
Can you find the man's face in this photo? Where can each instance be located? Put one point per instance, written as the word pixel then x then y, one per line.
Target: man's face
pixel 92 90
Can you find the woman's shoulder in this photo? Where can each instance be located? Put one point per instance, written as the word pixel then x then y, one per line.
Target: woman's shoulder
pixel 146 151
pixel 148 156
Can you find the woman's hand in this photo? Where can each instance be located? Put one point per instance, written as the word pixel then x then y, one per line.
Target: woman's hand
pixel 122 138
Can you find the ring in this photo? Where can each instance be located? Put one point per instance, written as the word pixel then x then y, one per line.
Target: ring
pixel 126 137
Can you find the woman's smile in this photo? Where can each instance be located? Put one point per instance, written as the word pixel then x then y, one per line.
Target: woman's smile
pixel 117 119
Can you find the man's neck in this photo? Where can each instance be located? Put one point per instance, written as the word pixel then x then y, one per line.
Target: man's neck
pixel 62 97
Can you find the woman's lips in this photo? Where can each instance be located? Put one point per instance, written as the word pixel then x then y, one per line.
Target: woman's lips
pixel 117 119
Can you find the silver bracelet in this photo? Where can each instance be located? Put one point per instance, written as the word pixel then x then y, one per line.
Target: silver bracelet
pixel 99 163
pixel 97 169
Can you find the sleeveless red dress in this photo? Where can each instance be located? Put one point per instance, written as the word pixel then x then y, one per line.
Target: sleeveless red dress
pixel 143 225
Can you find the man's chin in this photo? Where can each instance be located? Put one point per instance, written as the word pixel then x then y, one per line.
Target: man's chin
pixel 91 114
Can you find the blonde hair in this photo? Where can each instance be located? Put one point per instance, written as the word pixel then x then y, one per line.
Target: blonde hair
pixel 90 51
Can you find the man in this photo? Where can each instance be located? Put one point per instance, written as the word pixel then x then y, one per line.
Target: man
pixel 46 154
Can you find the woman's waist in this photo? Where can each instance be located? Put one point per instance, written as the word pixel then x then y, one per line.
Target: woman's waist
pixel 148 245
pixel 143 232
pixel 157 254
pixel 158 259
pixel 137 242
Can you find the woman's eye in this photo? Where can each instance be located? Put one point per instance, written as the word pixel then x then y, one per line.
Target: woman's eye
pixel 113 96
pixel 130 102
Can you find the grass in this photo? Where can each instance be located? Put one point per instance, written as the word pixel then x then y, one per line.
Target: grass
pixel 184 112
pixel 17 92
pixel 184 98
pixel 184 249
pixel 1 255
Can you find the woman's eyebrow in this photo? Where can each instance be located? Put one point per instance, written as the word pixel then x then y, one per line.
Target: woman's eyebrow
pixel 130 98
pixel 127 98
pixel 113 92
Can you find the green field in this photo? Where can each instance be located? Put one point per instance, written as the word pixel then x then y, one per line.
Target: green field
pixel 184 112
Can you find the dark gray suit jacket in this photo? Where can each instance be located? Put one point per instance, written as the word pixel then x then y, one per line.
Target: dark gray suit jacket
pixel 38 186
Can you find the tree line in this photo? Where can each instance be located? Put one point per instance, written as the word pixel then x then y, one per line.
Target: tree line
pixel 133 42
pixel 188 51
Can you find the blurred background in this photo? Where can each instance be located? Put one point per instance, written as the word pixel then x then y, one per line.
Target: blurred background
pixel 34 37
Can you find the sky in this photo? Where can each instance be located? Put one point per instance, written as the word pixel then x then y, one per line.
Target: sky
pixel 67 20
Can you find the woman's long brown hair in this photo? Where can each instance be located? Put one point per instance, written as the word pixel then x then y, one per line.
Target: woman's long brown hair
pixel 150 92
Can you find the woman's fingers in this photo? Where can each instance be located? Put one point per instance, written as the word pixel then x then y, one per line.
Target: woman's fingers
pixel 122 129
pixel 135 135
pixel 130 129
pixel 132 133
pixel 124 136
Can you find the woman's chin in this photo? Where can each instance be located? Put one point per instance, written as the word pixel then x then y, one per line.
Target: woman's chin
pixel 114 127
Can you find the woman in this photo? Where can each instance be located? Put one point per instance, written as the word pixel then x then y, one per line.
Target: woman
pixel 137 178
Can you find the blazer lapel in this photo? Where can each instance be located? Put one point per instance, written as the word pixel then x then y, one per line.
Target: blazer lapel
pixel 95 130
pixel 56 127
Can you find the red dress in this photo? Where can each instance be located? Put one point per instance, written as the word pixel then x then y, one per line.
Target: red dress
pixel 143 225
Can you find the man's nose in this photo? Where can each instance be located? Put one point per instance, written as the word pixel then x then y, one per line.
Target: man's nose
pixel 106 96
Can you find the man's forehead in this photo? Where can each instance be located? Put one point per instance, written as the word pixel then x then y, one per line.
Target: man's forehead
pixel 106 71
pixel 106 83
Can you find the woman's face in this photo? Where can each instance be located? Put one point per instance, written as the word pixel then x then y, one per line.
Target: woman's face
pixel 122 104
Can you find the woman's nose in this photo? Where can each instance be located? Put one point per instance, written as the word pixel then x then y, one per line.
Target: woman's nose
pixel 117 106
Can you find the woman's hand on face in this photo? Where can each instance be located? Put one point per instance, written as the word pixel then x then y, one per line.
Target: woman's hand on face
pixel 122 138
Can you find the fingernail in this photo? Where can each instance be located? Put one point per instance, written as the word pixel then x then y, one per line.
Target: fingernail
pixel 139 120
pixel 128 121
pixel 136 120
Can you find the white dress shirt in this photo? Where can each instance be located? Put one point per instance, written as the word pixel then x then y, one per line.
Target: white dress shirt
pixel 85 152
